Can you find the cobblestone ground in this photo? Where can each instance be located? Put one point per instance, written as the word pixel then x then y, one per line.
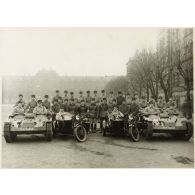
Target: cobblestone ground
pixel 33 151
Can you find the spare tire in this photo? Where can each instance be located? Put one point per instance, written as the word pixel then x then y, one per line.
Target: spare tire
pixel 8 135
pixel 134 133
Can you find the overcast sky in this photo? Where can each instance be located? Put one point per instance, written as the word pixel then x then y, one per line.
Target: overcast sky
pixel 72 51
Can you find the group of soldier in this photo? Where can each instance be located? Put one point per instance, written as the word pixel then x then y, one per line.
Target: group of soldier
pixel 98 107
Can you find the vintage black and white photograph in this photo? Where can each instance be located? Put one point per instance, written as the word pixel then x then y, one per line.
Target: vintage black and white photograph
pixel 97 97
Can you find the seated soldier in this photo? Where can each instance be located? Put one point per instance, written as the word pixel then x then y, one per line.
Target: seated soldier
pixel 161 104
pixel 151 109
pixel 40 109
pixel 19 109
pixel 32 104
pixel 46 102
pixel 59 115
pixel 143 102
pixel 171 110
pixel 171 102
pixel 116 114
pixel 20 100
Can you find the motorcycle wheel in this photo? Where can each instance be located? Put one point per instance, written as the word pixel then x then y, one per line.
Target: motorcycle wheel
pixel 134 133
pixel 80 133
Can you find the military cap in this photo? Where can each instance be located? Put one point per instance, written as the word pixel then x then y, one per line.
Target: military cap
pixel 80 92
pixel 111 92
pixel 46 96
pixel 82 100
pixel 20 95
pixel 88 91
pixel 103 91
pixel 114 100
pixel 71 93
pixel 119 92
pixel 66 100
pixel 60 98
pixel 95 91
pixel 33 96
pixel 104 99
pixel 151 102
pixel 133 99
pixel 57 91
pixel 93 99
pixel 143 97
pixel 65 91
pixel 128 93
pixel 55 100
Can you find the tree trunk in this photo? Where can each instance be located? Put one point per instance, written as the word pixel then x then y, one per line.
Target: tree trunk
pixel 189 106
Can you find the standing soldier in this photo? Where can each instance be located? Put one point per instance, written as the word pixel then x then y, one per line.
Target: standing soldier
pixel 93 111
pixel 55 107
pixel 65 95
pixel 60 102
pixel 20 101
pixel 134 108
pixel 95 96
pixel 46 102
pixel 128 100
pixel 66 106
pixel 31 105
pixel 88 98
pixel 120 98
pixel 111 97
pixel 82 109
pixel 103 95
pixel 72 106
pixel 56 96
pixel 143 103
pixel 72 97
pixel 80 98
pixel 102 113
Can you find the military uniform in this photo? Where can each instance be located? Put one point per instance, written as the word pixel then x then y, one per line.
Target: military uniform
pixel 56 97
pixel 66 107
pixel 120 100
pixel 22 101
pixel 128 101
pixel 110 99
pixel 72 108
pixel 31 105
pixel 96 99
pixel 47 104
pixel 161 104
pixel 143 104
pixel 18 110
pixel 56 107
pixel 134 108
pixel 40 110
pixel 88 100
pixel 102 113
pixel 82 110
pixel 79 99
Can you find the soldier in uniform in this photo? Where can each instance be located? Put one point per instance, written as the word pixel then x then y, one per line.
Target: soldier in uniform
pixel 111 97
pixel 72 107
pixel 72 97
pixel 82 109
pixel 153 100
pixel 65 95
pixel 19 109
pixel 55 107
pixel 32 104
pixel 56 96
pixel 95 96
pixel 88 98
pixel 46 102
pixel 103 95
pixel 137 100
pixel 60 102
pixel 66 106
pixel 40 109
pixel 93 111
pixel 120 98
pixel 161 104
pixel 124 109
pixel 80 98
pixel 134 108
pixel 128 100
pixel 171 102
pixel 20 100
pixel 102 113
pixel 143 103
pixel 151 109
